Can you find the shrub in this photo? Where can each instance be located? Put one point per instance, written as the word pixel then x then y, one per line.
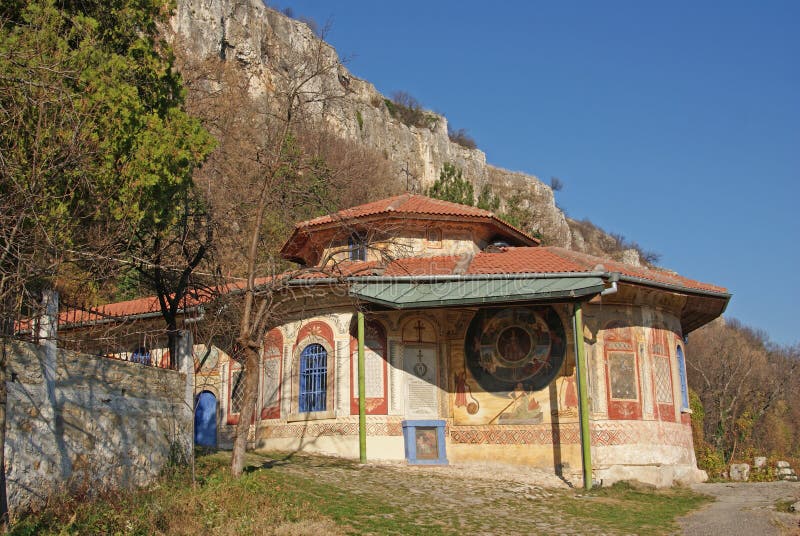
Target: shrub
pixel 516 212
pixel 763 474
pixel 622 244
pixel 710 460
pixel 407 109
pixel 308 21
pixel 487 200
pixel 461 137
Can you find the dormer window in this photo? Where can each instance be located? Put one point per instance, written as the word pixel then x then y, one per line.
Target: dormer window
pixel 357 248
pixel 434 238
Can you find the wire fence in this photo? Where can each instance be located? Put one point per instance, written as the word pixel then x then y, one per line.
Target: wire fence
pixel 136 335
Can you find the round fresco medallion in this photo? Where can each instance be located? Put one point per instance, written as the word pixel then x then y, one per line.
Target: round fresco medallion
pixel 516 345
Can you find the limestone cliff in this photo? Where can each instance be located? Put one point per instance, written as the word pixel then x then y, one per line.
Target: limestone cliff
pixel 263 42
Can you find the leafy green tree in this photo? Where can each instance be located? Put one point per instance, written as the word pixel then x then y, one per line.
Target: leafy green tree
pixel 452 186
pixel 94 138
pixel 515 212
pixel 94 141
pixel 487 200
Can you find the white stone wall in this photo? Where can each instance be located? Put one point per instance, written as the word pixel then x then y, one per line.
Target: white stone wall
pixel 100 424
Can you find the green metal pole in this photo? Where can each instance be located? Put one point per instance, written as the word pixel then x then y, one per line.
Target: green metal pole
pixel 583 398
pixel 362 405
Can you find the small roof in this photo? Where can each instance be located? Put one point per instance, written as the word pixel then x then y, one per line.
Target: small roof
pixel 469 292
pixel 405 204
pixel 405 207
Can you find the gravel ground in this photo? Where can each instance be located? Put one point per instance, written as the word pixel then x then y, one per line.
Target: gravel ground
pixel 491 500
pixel 499 500
pixel 744 509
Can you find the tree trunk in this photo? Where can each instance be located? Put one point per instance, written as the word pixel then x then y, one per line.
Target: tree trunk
pixel 247 411
pixel 3 403
pixel 173 336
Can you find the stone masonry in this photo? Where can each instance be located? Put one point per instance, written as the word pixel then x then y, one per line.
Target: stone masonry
pixel 78 422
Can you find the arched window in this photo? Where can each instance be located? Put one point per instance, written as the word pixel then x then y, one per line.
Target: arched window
pixel 313 378
pixel 682 372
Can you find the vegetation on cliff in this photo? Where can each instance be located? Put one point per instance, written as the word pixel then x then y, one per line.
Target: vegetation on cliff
pixel 452 186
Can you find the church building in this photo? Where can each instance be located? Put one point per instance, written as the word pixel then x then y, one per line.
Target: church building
pixel 479 346
pixel 473 331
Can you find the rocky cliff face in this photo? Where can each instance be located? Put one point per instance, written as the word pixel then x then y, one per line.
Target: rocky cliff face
pixel 264 43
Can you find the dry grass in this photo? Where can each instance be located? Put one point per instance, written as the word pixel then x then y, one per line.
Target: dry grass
pixel 298 495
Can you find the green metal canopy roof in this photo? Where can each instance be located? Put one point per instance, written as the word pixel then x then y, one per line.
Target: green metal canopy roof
pixel 404 294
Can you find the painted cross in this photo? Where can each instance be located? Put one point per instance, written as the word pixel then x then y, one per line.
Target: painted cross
pixel 420 328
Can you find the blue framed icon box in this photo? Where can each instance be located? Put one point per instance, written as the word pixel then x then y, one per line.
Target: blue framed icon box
pixel 424 441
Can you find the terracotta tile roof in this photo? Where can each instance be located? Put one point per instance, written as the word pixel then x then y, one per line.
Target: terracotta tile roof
pixel 345 268
pixel 440 265
pixel 510 260
pixel 397 209
pixel 522 260
pixel 139 306
pixel 549 259
pixel 118 309
pixel 410 204
pixel 655 275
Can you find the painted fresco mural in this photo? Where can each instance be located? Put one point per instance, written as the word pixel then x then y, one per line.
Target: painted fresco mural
pixel 510 357
pixel 622 373
pixel 271 379
pixel 375 371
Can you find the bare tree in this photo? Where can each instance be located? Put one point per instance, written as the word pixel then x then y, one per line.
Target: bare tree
pixel 277 163
pixel 740 377
pixel 167 258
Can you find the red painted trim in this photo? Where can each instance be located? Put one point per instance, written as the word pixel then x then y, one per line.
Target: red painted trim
pixel 622 409
pixel 273 339
pixel 379 406
pixel 231 418
pixel 316 328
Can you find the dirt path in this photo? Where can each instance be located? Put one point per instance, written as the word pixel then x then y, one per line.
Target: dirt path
pixel 744 509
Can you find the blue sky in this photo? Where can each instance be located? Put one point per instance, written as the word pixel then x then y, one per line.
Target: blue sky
pixel 676 124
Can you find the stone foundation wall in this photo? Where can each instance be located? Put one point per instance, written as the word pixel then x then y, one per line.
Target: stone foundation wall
pixel 657 453
pixel 81 422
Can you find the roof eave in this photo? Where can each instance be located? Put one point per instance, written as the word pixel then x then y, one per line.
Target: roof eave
pixel 674 287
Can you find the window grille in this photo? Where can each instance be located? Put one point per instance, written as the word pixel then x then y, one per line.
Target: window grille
pixel 237 392
pixel 662 377
pixel 313 378
pixel 682 372
pixel 141 355
pixel 357 248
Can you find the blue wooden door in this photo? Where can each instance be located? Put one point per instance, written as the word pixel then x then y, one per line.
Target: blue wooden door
pixel 205 420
